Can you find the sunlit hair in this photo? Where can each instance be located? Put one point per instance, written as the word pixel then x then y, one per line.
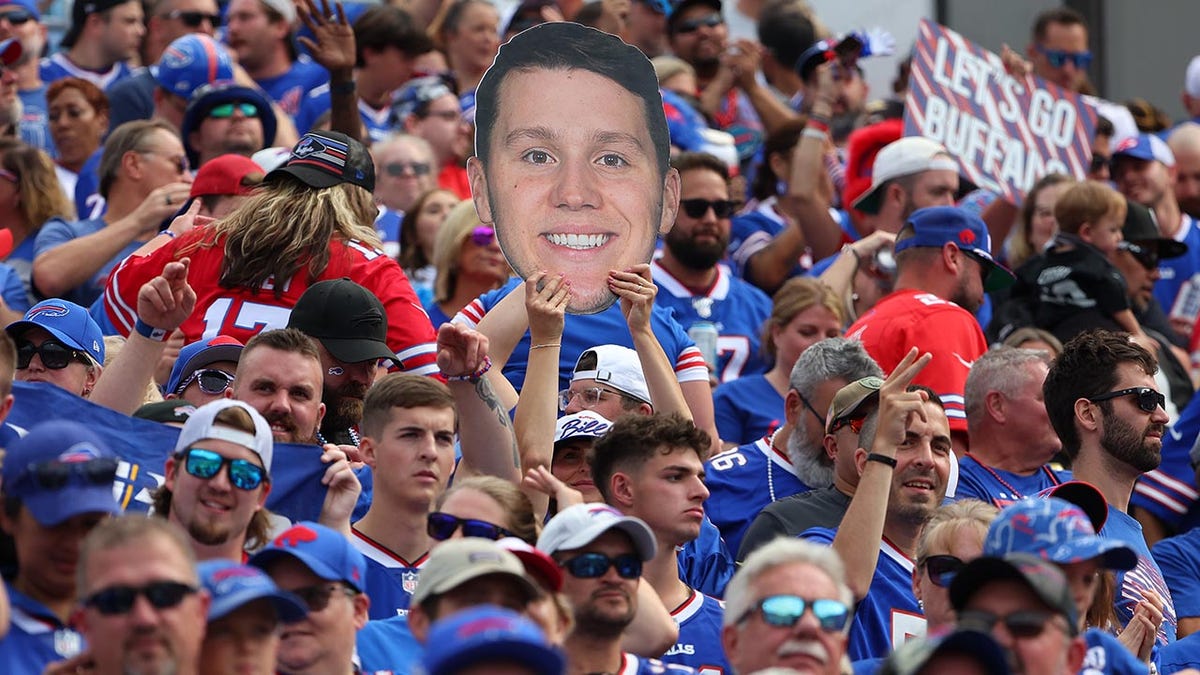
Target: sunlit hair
pixel 947 523
pixel 778 553
pixel 447 248
pixel 521 520
pixel 42 197
pixel 286 226
pixel 795 296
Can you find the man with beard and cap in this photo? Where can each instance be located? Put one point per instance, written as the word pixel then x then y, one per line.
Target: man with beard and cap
pixel 792 460
pixel 902 479
pixel 349 325
pixel 690 278
pixel 1102 399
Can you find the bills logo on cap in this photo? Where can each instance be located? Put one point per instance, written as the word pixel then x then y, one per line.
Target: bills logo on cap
pixel 1126 144
pixel 228 580
pixel 307 146
pixel 48 310
pixel 80 452
pixel 325 154
pixel 296 536
pixel 966 236
pixel 603 510
pixel 174 57
pixel 484 625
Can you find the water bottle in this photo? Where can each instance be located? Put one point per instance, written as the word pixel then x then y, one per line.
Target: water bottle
pixel 704 334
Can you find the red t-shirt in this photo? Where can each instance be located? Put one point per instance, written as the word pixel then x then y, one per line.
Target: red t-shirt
pixel 912 318
pixel 242 313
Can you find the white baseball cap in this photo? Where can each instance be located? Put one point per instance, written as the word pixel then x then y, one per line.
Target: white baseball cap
pixel 581 524
pixel 583 424
pixel 202 424
pixel 1191 81
pixel 905 157
pixel 616 366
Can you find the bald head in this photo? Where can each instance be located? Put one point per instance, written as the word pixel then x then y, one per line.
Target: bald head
pixel 1184 141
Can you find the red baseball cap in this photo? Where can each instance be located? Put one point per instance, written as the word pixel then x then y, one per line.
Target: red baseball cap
pixel 227 175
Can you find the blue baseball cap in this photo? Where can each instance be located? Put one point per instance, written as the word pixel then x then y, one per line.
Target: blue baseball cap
pixel 27 5
pixel 233 585
pixel 936 226
pixel 1056 530
pixel 1147 147
pixel 196 355
pixel 324 551
pixel 208 96
pixel 67 322
pixel 191 62
pixel 488 634
pixel 61 469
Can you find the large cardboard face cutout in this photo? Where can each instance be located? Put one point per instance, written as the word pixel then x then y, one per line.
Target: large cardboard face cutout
pixel 572 168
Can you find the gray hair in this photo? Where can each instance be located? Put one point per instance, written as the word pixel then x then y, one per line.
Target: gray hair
pixel 779 552
pixel 834 357
pixel 1001 369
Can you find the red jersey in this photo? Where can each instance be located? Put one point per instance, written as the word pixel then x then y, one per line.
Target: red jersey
pixel 242 313
pixel 912 318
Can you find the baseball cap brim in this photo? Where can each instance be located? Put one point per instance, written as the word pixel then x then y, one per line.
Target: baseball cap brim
pixel 1087 497
pixel 203 358
pixel 535 562
pixel 543 659
pixel 316 565
pixel 998 276
pixel 289 607
pixel 310 176
pixel 982 571
pixel 1167 248
pixel 18 327
pixel 356 350
pixel 643 538
pixel 52 507
pixel 1115 554
pixel 869 201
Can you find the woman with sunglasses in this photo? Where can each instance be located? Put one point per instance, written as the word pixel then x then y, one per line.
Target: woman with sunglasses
pixel 804 311
pixel 469 263
pixel 483 506
pixel 952 537
pixel 418 232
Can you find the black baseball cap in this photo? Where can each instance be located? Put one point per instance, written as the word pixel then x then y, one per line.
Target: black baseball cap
pixel 323 159
pixel 1141 227
pixel 79 14
pixel 346 318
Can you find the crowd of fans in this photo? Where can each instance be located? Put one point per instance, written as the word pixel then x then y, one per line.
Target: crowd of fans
pixel 275 401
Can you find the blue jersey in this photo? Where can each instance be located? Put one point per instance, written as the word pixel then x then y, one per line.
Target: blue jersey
pixel 584 331
pixel 640 665
pixel 1178 559
pixel 36 638
pixel 1175 271
pixel 12 289
pixel 751 232
pixel 699 644
pixel 35 119
pixel 743 481
pixel 387 226
pixel 1169 491
pixel 1122 527
pixel 747 409
pixel 89 203
pixel 288 89
pixel 704 562
pixel 736 307
pixel 21 260
pixel 436 316
pixel 888 615
pixel 57 66
pixel 977 480
pixel 391 579
pixel 388 645
pixel 1106 654
pixel 57 232
pixel 132 98
pixel 316 103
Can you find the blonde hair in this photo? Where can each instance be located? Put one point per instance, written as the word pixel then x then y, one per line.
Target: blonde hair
pixel 1087 202
pixel 521 520
pixel 42 197
pixel 286 226
pixel 448 247
pixel 113 344
pixel 795 296
pixel 947 521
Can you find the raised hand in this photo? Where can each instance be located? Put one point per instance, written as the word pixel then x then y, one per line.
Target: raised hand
pixel 334 47
pixel 167 300
pixel 546 299
pixel 460 350
pixel 636 291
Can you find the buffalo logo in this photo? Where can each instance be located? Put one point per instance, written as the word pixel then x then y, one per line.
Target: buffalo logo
pixel 176 58
pixel 1126 144
pixel 80 452
pixel 48 310
pixel 966 236
pixel 308 145
pixel 296 536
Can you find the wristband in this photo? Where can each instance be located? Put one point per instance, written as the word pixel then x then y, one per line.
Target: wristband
pixel 817 123
pixel 147 331
pixel 810 132
pixel 475 376
pixel 168 233
pixel 347 87
pixel 546 346
pixel 847 248
pixel 882 459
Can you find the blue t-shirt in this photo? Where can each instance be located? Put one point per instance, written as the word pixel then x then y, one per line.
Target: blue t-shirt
pixel 889 614
pixel 316 103
pixel 736 307
pixel 131 99
pixel 1169 492
pixel 747 409
pixel 288 89
pixel 1123 527
pixel 704 562
pixel 12 289
pixel 436 316
pixel 750 232
pixel 390 581
pixel 36 638
pixel 35 119
pixel 1106 654
pixel 1179 655
pixel 699 644
pixel 1178 559
pixel 387 226
pixel 1173 272
pixel 581 332
pixel 57 232
pixel 21 260
pixel 1000 487
pixel 388 645
pixel 57 66
pixel 743 481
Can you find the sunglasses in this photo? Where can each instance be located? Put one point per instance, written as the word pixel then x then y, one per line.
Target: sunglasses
pixel 1148 400
pixel 1022 624
pixel 595 565
pixel 1058 58
pixel 442 526
pixel 693 25
pixel 1100 162
pixel 54 354
pixel 5 173
pixel 1145 257
pixel 55 475
pixel 855 425
pixel 211 381
pixel 483 236
pixel 205 464
pixel 396 169
pixel 18 17
pixel 119 599
pixel 195 19
pixel 696 208
pixel 942 568
pixel 591 397
pixel 225 110
pixel 785 610
pixel 316 598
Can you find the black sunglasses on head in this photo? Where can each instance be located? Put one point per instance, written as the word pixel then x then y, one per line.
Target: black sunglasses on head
pixel 1148 400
